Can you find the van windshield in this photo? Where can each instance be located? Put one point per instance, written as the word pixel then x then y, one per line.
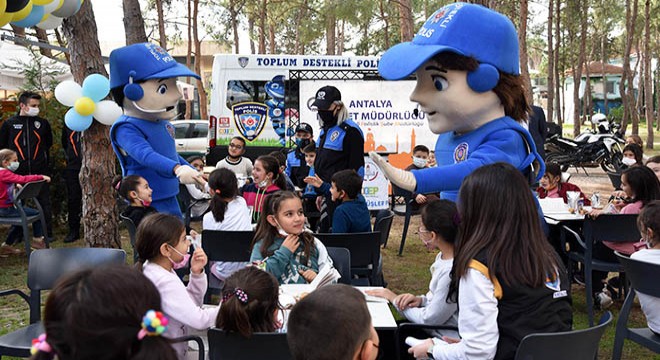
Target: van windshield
pixel 240 91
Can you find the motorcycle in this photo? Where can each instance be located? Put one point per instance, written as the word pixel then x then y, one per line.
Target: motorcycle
pixel 589 149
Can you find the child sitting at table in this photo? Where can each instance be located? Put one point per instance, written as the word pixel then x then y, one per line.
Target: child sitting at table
pixel 553 187
pixel 438 231
pixel 649 225
pixel 249 303
pixel 97 313
pixel 332 322
pixel 282 246
pixel 163 247
pixel 352 213
pixel 420 157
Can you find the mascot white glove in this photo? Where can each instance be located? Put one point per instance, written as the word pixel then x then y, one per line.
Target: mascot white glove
pixel 186 174
pixel 401 178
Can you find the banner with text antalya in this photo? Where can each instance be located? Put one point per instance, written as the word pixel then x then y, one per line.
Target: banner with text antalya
pixel 381 108
pixel 374 187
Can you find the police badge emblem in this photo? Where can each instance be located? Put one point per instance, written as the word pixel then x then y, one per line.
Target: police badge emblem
pixel 250 118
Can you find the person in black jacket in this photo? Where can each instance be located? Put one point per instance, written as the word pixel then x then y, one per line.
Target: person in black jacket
pixel 340 146
pixel 31 137
pixel 538 128
pixel 296 167
pixel 73 155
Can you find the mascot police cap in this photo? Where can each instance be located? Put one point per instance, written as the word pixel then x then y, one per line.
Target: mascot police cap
pixel 144 61
pixel 465 29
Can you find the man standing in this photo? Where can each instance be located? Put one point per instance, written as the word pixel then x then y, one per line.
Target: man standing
pixel 71 175
pixel 31 138
pixel 538 128
pixel 296 167
pixel 340 147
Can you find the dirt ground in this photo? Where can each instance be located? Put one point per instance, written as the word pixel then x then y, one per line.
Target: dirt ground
pixel 595 179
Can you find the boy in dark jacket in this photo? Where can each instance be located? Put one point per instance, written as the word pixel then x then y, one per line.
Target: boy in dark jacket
pixel 352 214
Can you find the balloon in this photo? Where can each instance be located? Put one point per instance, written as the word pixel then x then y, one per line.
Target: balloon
pixel 77 122
pixel 41 2
pixel 85 106
pixel 21 13
pixel 96 87
pixel 33 19
pixel 107 112
pixel 67 92
pixel 68 8
pixel 5 18
pixel 16 5
pixel 52 6
pixel 50 23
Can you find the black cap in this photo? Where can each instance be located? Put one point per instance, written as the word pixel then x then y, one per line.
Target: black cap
pixel 305 127
pixel 325 96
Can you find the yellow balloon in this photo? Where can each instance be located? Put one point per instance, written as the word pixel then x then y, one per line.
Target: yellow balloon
pixel 44 17
pixel 3 7
pixel 5 18
pixel 85 106
pixel 23 13
pixel 42 2
pixel 60 5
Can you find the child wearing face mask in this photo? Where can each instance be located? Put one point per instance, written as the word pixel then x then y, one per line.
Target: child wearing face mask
pixel 420 161
pixel 8 181
pixel 162 247
pixel 135 190
pixel 282 247
pixel 632 155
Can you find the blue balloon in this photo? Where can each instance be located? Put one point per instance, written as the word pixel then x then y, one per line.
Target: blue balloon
pixel 77 122
pixel 96 87
pixel 33 19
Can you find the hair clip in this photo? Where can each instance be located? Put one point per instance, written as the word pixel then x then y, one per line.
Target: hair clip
pixel 240 295
pixel 154 323
pixel 40 344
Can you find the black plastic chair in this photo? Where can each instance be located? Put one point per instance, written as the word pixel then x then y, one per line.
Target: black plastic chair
pixel 201 354
pixel 187 203
pixel 132 230
pixel 614 228
pixel 45 268
pixel 341 259
pixel 615 179
pixel 417 331
pixel 408 211
pixel 225 246
pixel 643 279
pixel 383 223
pixel 365 254
pixel 28 191
pixel 567 345
pixel 231 346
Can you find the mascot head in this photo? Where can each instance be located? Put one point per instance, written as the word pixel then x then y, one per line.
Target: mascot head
pixel 467 64
pixel 143 81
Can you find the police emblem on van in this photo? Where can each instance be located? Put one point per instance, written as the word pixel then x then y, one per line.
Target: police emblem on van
pixel 243 61
pixel 250 118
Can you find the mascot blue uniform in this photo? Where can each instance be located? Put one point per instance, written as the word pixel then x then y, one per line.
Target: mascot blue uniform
pixel 275 89
pixel 143 82
pixel 468 84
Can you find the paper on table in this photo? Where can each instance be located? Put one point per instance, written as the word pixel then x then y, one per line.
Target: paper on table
pixel 553 205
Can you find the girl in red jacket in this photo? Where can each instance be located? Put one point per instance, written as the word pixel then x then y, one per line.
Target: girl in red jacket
pixel 552 187
pixel 8 182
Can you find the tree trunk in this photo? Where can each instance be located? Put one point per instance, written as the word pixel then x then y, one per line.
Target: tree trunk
pixel 406 20
pixel 551 64
pixel 637 100
pixel 98 160
pixel 62 42
pixel 42 35
pixel 203 111
pixel 161 24
pixel 626 78
pixel 524 61
pixel 188 113
pixel 262 27
pixel 603 59
pixel 133 22
pixel 386 26
pixel 272 44
pixel 648 81
pixel 559 84
pixel 251 32
pixel 342 39
pixel 330 31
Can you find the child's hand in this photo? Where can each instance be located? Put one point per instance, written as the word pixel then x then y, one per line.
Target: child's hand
pixel 383 293
pixel 198 261
pixel 405 301
pixel 47 178
pixel 420 199
pixel 420 351
pixel 308 274
pixel 291 242
pixel 315 180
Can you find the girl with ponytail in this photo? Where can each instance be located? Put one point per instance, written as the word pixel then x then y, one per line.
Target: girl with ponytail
pixel 98 314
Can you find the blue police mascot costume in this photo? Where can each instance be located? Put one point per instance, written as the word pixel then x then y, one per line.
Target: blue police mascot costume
pixel 275 89
pixel 143 82
pixel 468 84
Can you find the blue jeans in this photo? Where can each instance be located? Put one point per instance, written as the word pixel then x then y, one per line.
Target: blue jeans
pixel 13 212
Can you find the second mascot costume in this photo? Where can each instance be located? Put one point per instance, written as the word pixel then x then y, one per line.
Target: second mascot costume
pixel 143 82
pixel 468 84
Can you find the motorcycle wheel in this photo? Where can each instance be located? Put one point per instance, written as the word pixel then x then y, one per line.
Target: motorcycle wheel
pixel 612 163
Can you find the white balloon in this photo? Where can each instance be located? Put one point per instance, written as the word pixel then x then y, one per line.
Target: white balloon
pixel 50 7
pixel 50 23
pixel 107 112
pixel 67 92
pixel 69 8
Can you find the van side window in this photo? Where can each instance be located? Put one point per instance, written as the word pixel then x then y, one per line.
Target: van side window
pixel 239 91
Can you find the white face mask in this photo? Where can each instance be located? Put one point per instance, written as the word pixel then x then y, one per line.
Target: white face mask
pixel 628 161
pixel 280 230
pixel 32 111
pixel 419 162
pixel 13 166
